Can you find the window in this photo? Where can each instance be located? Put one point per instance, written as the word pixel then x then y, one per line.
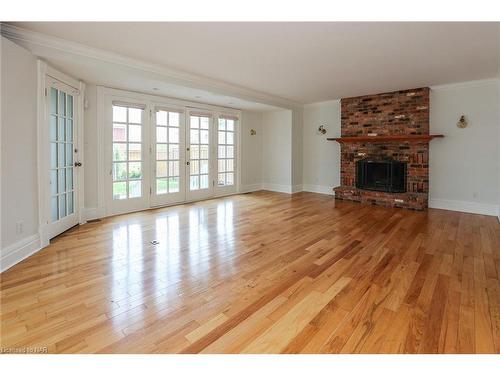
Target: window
pixel 127 152
pixel 225 152
pixel 167 167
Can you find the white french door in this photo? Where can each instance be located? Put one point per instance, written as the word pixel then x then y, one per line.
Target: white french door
pixel 160 154
pixel 200 155
pixel 61 110
pixel 168 161
pixel 130 157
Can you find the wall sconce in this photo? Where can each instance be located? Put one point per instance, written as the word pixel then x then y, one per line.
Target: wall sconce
pixel 462 122
pixel 253 132
pixel 322 129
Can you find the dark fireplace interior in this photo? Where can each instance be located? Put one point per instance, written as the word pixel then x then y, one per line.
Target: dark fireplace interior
pixel 386 175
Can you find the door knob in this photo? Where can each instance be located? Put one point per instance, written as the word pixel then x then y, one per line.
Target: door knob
pixel 78 164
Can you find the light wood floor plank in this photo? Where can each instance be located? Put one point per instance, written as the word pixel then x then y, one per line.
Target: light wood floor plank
pixel 262 273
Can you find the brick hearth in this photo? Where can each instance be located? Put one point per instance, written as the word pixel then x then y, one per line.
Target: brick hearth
pixel 396 113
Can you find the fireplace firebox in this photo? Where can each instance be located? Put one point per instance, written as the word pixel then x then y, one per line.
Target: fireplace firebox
pixel 386 175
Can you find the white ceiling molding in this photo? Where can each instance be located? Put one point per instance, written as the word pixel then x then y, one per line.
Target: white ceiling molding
pixel 29 39
pixel 466 84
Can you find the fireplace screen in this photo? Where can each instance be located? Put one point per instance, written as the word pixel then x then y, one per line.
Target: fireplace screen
pixel 381 175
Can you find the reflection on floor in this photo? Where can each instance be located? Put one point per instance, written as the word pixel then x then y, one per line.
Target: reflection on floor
pixel 262 273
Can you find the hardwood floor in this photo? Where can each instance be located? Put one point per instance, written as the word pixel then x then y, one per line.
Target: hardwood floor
pixel 262 273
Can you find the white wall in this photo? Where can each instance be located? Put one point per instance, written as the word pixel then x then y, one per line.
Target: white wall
pixel 464 169
pixel 19 191
pixel 90 148
pixel 251 151
pixel 463 166
pixel 321 158
pixel 277 151
pixel 498 147
pixel 498 107
pixel 297 149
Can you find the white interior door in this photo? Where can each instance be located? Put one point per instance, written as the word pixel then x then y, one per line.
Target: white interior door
pixel 200 155
pixel 62 125
pixel 168 157
pixel 226 154
pixel 129 167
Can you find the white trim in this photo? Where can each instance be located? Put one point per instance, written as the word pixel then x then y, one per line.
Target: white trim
pixel 62 77
pixel 280 188
pixel 465 84
pixel 80 102
pixel 18 251
pixel 42 150
pixel 320 189
pixel 250 188
pixel 93 213
pixel 463 206
pixel 30 38
pixel 168 101
pixel 322 103
pixel 101 170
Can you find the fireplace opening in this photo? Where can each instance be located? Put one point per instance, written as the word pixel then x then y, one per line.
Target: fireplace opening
pixel 386 175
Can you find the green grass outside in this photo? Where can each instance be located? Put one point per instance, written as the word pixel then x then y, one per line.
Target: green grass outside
pixel 120 188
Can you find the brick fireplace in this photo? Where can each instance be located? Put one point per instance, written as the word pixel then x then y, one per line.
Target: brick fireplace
pixel 389 126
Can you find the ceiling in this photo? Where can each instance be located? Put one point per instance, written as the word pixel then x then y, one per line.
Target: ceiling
pixel 300 62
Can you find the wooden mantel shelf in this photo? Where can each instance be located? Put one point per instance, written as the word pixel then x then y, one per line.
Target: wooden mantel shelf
pixel 388 138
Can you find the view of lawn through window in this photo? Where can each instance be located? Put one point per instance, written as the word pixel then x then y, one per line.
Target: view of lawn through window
pixel 127 152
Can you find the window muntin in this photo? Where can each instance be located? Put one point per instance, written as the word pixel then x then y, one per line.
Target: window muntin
pixel 225 152
pixel 61 154
pixel 167 152
pixel 199 152
pixel 127 168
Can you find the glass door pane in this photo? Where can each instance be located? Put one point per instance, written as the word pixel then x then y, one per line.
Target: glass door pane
pixel 226 152
pixel 127 172
pixel 167 178
pixel 62 150
pixel 199 153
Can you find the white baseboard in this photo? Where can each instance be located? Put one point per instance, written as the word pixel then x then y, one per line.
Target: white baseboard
pixel 321 189
pixel 277 187
pixel 291 189
pixel 250 188
pixel 463 206
pixel 18 251
pixel 93 213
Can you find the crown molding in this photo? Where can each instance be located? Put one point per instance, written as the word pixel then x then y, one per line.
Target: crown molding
pixel 323 103
pixel 466 84
pixel 28 39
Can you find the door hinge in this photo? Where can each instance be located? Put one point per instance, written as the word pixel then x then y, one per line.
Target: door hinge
pixel 45 91
pixel 150 190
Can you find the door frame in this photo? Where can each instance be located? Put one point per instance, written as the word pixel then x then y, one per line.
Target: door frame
pixel 103 95
pixel 44 71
